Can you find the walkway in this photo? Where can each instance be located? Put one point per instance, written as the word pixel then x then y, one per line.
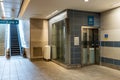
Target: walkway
pixel 18 68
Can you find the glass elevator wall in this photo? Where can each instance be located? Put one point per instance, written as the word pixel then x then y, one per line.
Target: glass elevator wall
pixel 58 41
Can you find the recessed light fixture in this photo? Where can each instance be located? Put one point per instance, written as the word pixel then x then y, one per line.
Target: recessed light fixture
pixel 86 0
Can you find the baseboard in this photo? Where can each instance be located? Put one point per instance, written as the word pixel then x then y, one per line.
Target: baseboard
pixel 111 65
pixel 68 66
pixel 36 59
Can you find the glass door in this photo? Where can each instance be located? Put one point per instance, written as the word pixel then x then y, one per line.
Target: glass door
pixel 58 41
pixel 90 47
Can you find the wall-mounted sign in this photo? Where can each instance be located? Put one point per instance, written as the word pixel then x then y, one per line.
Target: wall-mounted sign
pixel 106 36
pixel 9 21
pixel 76 41
pixel 90 20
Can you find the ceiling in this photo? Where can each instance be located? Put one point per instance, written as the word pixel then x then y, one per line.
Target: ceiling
pixel 11 8
pixel 42 8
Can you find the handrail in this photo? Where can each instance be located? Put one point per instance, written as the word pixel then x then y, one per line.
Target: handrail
pixel 9 54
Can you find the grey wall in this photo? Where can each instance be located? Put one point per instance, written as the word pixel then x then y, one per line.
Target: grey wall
pixel 110 48
pixel 76 20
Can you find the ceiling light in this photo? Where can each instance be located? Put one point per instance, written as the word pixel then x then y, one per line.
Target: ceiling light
pixel 52 14
pixel 86 0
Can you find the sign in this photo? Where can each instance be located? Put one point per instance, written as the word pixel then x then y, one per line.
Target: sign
pixel 105 35
pixel 90 20
pixel 9 21
pixel 76 40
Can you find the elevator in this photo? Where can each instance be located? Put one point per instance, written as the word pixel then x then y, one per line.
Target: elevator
pixel 90 45
pixel 58 41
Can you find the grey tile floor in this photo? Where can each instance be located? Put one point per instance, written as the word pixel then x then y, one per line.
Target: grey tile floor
pixel 18 68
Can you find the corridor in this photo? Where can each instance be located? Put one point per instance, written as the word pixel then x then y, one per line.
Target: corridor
pixel 18 68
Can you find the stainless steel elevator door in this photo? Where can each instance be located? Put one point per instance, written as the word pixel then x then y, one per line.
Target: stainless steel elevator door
pixel 90 46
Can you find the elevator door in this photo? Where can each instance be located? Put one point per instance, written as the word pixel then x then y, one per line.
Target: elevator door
pixel 90 46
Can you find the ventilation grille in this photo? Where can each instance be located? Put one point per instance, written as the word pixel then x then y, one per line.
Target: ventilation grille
pixel 37 51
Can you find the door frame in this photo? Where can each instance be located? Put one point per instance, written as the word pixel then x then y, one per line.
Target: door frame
pixel 89 27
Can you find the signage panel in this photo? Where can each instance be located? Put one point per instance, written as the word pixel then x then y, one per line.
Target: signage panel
pixel 90 20
pixel 9 21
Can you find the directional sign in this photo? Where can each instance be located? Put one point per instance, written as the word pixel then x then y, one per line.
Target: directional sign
pixel 9 21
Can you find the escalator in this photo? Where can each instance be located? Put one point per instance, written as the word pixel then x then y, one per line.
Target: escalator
pixel 14 40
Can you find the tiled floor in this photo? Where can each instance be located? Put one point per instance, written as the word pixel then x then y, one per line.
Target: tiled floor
pixel 18 68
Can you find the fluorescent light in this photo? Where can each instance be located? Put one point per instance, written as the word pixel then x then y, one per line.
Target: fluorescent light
pixel 2 7
pixel 52 14
pixel 86 0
